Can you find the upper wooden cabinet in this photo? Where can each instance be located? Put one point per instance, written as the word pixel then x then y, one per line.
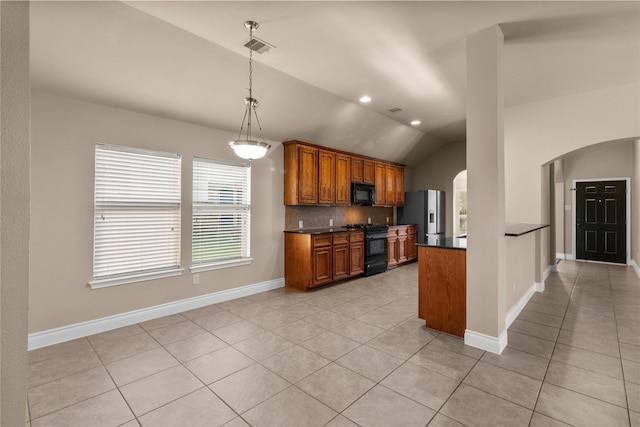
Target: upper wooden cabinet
pixel 369 172
pixel 343 179
pixel 300 175
pixel 317 175
pixel 380 181
pixel 390 184
pixel 399 183
pixel 326 177
pixel 357 169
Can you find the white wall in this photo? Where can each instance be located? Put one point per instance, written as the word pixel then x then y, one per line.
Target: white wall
pixel 437 172
pixel 540 132
pixel 64 134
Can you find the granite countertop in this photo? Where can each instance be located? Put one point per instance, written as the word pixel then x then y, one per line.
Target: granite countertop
pixel 446 243
pixel 515 230
pixel 320 230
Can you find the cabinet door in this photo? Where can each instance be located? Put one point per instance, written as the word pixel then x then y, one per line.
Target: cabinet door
pixel 340 262
pixel 343 179
pixel 326 177
pixel 322 265
pixel 390 185
pixel 392 248
pixel 357 169
pixel 369 175
pixel 411 243
pixel 356 258
pixel 399 183
pixel 380 181
pixel 307 175
pixel 402 245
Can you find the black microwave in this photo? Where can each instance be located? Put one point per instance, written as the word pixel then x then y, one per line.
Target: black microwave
pixel 363 194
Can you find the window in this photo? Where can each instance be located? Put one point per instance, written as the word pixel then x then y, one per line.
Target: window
pixel 137 215
pixel 460 204
pixel 221 214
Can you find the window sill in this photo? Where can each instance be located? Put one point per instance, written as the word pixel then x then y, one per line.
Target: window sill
pixel 221 264
pixel 122 280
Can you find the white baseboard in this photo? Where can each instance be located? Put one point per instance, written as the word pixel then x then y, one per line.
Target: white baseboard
pixel 560 255
pixel 569 257
pixel 79 330
pixel 635 266
pixel 486 342
pixel 514 311
pixel 539 287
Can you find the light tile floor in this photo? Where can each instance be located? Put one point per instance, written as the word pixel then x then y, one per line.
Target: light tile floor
pixel 355 354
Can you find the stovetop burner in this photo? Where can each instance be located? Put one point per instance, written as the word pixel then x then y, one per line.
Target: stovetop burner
pixel 367 227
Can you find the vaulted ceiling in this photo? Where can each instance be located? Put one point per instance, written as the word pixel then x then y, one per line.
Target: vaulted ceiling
pixel 186 61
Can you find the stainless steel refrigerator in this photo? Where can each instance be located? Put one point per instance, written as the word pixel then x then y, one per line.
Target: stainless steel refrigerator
pixel 426 209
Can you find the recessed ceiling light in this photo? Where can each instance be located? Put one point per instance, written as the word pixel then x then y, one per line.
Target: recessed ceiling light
pixel 365 99
pixel 415 122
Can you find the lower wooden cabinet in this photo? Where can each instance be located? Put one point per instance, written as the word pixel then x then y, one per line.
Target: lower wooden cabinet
pixel 317 259
pixel 401 245
pixel 442 289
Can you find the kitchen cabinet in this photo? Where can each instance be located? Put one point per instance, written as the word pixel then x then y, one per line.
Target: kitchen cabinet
pixel 343 179
pixel 392 247
pixel 389 185
pixel 399 185
pixel 326 177
pixel 442 288
pixel 357 169
pixel 369 174
pixel 356 253
pixel 300 175
pixel 315 175
pixel 318 259
pixel 401 245
pixel 380 180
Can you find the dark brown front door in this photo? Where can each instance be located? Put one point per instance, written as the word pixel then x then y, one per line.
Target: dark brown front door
pixel 601 221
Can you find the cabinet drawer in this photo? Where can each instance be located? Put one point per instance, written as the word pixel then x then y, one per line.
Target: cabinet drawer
pixel 356 237
pixel 322 240
pixel 341 238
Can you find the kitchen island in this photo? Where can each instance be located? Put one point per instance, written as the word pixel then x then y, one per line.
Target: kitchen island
pixel 442 284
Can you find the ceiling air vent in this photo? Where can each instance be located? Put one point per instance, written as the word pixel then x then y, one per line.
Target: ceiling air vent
pixel 258 45
pixel 394 110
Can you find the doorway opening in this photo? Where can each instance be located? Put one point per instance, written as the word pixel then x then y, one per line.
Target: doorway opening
pixel 460 204
pixel 600 220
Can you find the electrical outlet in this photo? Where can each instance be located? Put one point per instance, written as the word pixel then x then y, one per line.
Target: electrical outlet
pixel 196 279
pixel 369 220
pixel 387 219
pixel 300 224
pixel 331 223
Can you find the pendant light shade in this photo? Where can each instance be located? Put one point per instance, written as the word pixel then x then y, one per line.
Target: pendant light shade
pixel 249 148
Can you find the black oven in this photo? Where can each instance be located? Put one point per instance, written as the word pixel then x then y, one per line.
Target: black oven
pixel 375 247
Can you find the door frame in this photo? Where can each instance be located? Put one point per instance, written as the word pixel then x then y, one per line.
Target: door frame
pixel 628 213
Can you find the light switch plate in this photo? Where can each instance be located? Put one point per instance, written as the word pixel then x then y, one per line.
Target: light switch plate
pixel 300 224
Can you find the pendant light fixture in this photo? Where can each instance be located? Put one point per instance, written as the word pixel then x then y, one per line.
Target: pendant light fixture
pixel 249 148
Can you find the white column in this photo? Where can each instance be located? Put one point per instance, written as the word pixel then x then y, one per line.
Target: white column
pixel 486 253
pixel 14 209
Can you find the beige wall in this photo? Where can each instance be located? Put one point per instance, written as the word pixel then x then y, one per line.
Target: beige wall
pixel 521 267
pixel 540 132
pixel 635 206
pixel 14 210
pixel 437 172
pixel 64 134
pixel 606 160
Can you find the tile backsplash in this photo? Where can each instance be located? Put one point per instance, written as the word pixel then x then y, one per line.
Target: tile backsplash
pixel 319 216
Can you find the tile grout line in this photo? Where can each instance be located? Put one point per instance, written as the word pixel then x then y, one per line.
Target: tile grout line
pixel 553 351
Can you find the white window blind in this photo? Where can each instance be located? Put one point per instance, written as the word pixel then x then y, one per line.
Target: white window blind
pixel 221 213
pixel 137 215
